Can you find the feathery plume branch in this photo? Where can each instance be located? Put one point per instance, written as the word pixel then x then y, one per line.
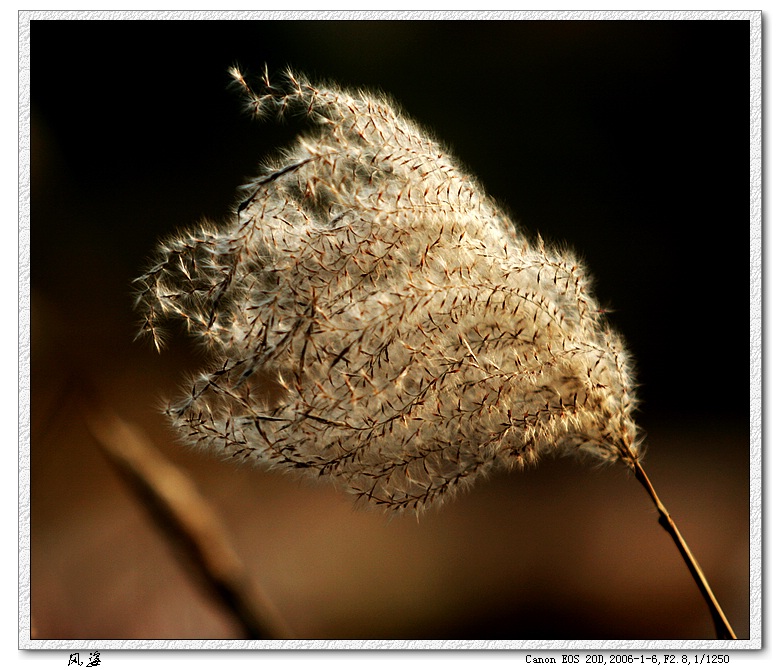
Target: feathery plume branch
pixel 416 338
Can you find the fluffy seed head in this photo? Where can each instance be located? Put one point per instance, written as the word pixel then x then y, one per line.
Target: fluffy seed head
pixel 414 338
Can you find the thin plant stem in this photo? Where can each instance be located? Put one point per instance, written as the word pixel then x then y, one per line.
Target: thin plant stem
pixel 723 629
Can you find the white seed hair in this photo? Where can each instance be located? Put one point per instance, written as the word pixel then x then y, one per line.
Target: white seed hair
pixel 415 337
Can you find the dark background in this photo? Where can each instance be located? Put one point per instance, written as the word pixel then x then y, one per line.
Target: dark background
pixel 625 140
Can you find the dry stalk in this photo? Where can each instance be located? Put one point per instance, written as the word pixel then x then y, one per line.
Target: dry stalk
pixel 723 628
pixel 189 521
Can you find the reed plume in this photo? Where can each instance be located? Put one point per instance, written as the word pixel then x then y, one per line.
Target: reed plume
pixel 416 338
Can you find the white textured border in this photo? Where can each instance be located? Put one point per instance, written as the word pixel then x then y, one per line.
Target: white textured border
pixel 756 418
pixel 756 603
pixel 23 411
